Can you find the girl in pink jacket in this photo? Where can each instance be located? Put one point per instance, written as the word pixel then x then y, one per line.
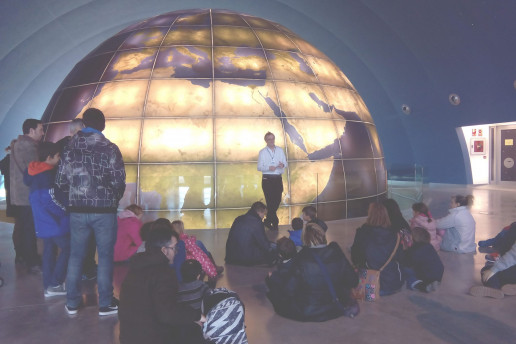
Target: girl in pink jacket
pixel 196 250
pixel 128 236
pixel 422 218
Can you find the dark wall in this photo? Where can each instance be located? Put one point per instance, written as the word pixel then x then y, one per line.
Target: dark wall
pixel 396 52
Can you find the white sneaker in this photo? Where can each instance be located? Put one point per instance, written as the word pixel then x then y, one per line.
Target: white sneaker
pixel 509 289
pixel 481 291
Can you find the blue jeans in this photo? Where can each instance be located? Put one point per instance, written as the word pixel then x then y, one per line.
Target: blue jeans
pixel 54 270
pixel 104 227
pixel 202 247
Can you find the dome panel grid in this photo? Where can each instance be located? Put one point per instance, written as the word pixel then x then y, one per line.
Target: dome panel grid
pixel 188 96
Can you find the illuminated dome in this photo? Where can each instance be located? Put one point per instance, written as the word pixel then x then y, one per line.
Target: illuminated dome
pixel 188 97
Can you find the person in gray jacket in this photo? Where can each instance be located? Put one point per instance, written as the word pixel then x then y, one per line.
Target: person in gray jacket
pixel 499 279
pixel 23 151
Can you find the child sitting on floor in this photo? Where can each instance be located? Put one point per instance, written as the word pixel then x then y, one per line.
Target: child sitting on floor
pixel 310 216
pixel 286 251
pixel 275 279
pixel 421 264
pixel 423 219
pixel 144 232
pixel 297 230
pixel 192 289
pixel 195 249
pixel 128 238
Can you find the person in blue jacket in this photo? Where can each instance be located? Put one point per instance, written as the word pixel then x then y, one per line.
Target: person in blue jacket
pixel 52 222
pixel 297 230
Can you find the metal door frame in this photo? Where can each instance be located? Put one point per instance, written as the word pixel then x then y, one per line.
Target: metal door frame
pixel 496 159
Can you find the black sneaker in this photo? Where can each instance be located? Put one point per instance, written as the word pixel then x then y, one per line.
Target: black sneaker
pixel 71 310
pixel 111 309
pixel 89 276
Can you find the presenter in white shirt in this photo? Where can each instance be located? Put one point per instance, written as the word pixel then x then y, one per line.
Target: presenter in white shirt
pixel 272 162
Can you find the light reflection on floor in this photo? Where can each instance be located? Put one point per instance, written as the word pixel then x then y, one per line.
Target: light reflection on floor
pixel 26 317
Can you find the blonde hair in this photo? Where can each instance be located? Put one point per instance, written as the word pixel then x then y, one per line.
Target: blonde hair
pixel 136 209
pixel 178 226
pixel 313 235
pixel 378 216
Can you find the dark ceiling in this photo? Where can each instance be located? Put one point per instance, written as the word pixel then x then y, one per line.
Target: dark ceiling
pixel 413 52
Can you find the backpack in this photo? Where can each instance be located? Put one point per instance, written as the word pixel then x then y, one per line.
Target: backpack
pixel 224 317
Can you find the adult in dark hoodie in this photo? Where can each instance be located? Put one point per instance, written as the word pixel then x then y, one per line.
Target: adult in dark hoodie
pixel 92 172
pixel 247 243
pixel 373 245
pixel 149 311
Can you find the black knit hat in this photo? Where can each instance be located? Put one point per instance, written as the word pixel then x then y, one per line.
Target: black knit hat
pixel 94 118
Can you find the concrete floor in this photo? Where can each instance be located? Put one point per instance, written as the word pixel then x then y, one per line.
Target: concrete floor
pixel 448 316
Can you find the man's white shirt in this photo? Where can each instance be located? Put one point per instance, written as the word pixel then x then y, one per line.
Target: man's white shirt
pixel 271 157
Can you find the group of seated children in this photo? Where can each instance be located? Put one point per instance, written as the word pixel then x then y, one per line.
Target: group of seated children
pixel 315 283
pixel 308 215
pixel 155 308
pixel 131 235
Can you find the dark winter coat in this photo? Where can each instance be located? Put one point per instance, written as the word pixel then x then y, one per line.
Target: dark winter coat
pixel 247 243
pixel 372 248
pixel 5 169
pixel 93 172
pixel 424 260
pixel 149 311
pixel 302 292
pixel 50 216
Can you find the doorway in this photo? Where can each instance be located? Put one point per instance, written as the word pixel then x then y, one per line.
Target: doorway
pixel 505 155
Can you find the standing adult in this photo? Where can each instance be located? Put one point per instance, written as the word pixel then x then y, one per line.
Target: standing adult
pixel 75 126
pixel 247 243
pixel 4 169
pixel 92 171
pixel 272 163
pixel 24 150
pixel 89 265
